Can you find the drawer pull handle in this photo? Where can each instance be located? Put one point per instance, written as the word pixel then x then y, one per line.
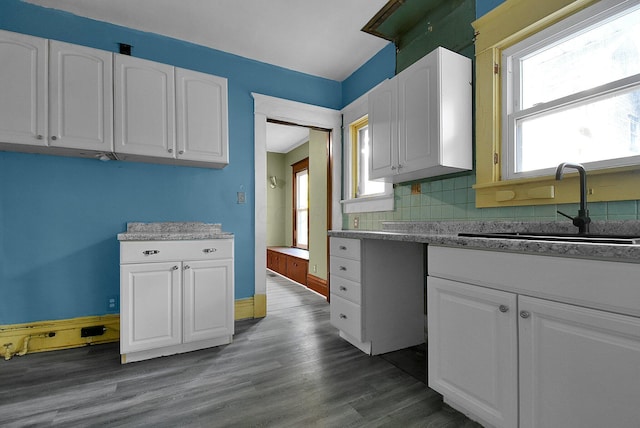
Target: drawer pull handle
pixel 343 288
pixel 503 308
pixel 150 252
pixel 524 314
pixel 209 250
pixel 343 268
pixel 343 316
pixel 342 247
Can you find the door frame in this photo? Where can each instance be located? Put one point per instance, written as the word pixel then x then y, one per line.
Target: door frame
pixel 267 107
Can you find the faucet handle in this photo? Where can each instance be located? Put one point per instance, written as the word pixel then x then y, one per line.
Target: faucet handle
pixel 565 215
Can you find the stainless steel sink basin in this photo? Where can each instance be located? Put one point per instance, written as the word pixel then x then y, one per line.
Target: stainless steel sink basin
pixel 559 237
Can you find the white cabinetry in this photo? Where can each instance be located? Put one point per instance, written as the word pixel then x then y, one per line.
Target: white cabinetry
pixel 23 89
pixel 420 121
pixel 81 97
pixel 201 114
pixel 175 296
pixel 577 350
pixel 377 293
pixel 144 108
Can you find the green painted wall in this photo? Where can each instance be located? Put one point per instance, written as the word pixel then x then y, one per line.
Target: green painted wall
pixel 276 200
pixel 318 203
pixel 295 155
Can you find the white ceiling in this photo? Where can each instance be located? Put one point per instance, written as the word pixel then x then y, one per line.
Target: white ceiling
pixel 284 138
pixel 318 37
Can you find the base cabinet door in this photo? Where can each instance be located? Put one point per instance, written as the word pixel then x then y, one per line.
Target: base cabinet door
pixel 579 367
pixel 208 299
pixel 151 306
pixel 472 352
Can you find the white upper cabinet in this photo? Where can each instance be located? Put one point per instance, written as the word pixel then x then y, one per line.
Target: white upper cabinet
pixel 23 89
pixel 144 108
pixel 81 97
pixel 201 117
pixel 420 120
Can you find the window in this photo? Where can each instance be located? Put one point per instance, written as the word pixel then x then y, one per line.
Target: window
pixel 301 204
pixel 361 194
pixel 362 186
pixel 572 93
pixel 522 33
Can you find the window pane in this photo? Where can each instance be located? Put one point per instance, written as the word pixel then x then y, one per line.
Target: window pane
pixel 604 53
pixel 365 186
pixel 302 223
pixel 601 130
pixel 302 187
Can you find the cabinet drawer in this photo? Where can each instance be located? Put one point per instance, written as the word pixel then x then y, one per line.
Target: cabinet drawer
pixel 346 316
pixel 297 269
pixel 345 247
pixel 162 251
pixel 346 289
pixel 345 268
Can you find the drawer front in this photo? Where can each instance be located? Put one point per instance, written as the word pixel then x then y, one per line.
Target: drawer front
pixel 346 289
pixel 345 268
pixel 345 247
pixel 163 251
pixel 297 269
pixel 346 316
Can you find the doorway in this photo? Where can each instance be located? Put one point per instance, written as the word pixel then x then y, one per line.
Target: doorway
pixel 279 110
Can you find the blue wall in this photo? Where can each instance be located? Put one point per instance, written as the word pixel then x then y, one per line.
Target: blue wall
pixel 59 216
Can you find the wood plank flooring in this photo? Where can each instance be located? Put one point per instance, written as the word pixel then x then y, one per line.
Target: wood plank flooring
pixel 289 369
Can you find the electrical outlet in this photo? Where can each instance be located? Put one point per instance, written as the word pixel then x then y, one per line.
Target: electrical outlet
pixel 241 198
pixel 356 222
pixel 113 304
pixel 315 268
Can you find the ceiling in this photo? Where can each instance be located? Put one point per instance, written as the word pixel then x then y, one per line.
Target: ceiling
pixel 318 37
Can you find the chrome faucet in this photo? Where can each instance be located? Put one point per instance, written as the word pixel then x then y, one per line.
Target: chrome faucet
pixel 582 220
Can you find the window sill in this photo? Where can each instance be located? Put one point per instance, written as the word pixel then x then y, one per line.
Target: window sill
pixel 368 204
pixel 615 184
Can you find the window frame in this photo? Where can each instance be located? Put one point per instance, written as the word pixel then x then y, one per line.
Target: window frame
pixel 296 168
pixel 355 111
pixel 504 26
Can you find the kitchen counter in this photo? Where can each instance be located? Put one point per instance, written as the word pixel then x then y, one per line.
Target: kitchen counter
pixel 173 231
pixel 446 234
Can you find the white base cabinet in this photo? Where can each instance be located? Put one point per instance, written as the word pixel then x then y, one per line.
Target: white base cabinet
pixel 528 344
pixel 175 296
pixel 377 293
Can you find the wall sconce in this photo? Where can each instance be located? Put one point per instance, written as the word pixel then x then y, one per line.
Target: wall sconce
pixel 273 182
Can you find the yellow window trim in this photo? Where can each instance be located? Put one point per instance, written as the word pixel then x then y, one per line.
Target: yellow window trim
pixel 510 23
pixel 354 128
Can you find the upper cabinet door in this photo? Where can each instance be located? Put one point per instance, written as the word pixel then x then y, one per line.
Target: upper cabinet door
pixel 418 117
pixel 23 89
pixel 81 97
pixel 383 129
pixel 201 117
pixel 144 107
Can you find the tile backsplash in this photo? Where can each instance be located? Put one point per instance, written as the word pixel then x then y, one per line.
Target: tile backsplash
pixel 455 199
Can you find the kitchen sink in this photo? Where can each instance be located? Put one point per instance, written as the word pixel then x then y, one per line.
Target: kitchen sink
pixel 559 237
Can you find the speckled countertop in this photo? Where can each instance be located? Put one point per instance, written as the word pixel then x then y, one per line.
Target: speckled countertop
pixel 173 231
pixel 446 234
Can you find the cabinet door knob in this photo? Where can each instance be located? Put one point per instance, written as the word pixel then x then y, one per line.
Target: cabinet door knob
pixel 174 268
pixel 343 268
pixel 393 168
pixel 211 250
pixel 342 247
pixel 39 137
pixel 170 150
pixel 524 314
pixel 54 138
pixel 181 152
pixel 150 252
pixel 400 166
pixel 343 288
pixel 187 267
pixel 504 308
pixel 343 316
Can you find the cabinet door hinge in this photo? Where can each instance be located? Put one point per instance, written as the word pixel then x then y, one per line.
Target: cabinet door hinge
pixel 495 159
pixel 496 68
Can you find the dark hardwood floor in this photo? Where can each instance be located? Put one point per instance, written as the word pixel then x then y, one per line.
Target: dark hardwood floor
pixel 289 369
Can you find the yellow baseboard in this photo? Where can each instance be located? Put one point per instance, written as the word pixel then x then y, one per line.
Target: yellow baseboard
pixel 20 339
